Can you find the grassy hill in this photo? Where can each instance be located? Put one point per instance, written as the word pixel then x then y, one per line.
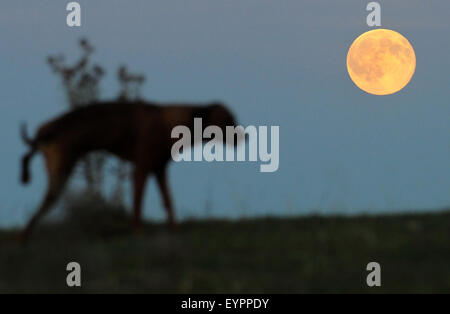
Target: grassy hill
pixel 314 254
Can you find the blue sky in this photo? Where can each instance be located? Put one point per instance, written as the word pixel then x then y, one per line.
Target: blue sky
pixel 274 63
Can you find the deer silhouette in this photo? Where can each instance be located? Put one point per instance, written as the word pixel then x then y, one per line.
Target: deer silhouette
pixel 139 132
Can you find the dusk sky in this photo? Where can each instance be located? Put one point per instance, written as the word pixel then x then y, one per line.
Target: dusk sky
pixel 342 151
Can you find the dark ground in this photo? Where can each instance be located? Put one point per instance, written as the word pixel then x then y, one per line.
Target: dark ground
pixel 314 254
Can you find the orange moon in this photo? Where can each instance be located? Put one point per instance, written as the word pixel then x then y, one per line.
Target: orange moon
pixel 381 61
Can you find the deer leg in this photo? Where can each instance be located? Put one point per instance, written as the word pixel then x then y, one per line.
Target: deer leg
pixel 58 171
pixel 88 172
pixel 53 192
pixel 164 188
pixel 140 179
pixel 49 199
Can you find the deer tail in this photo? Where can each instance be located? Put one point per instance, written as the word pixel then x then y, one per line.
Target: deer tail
pixel 26 158
pixel 23 133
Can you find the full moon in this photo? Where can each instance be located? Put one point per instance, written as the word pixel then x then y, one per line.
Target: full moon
pixel 381 62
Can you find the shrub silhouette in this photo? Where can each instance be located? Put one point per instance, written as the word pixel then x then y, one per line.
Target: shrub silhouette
pixel 81 83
